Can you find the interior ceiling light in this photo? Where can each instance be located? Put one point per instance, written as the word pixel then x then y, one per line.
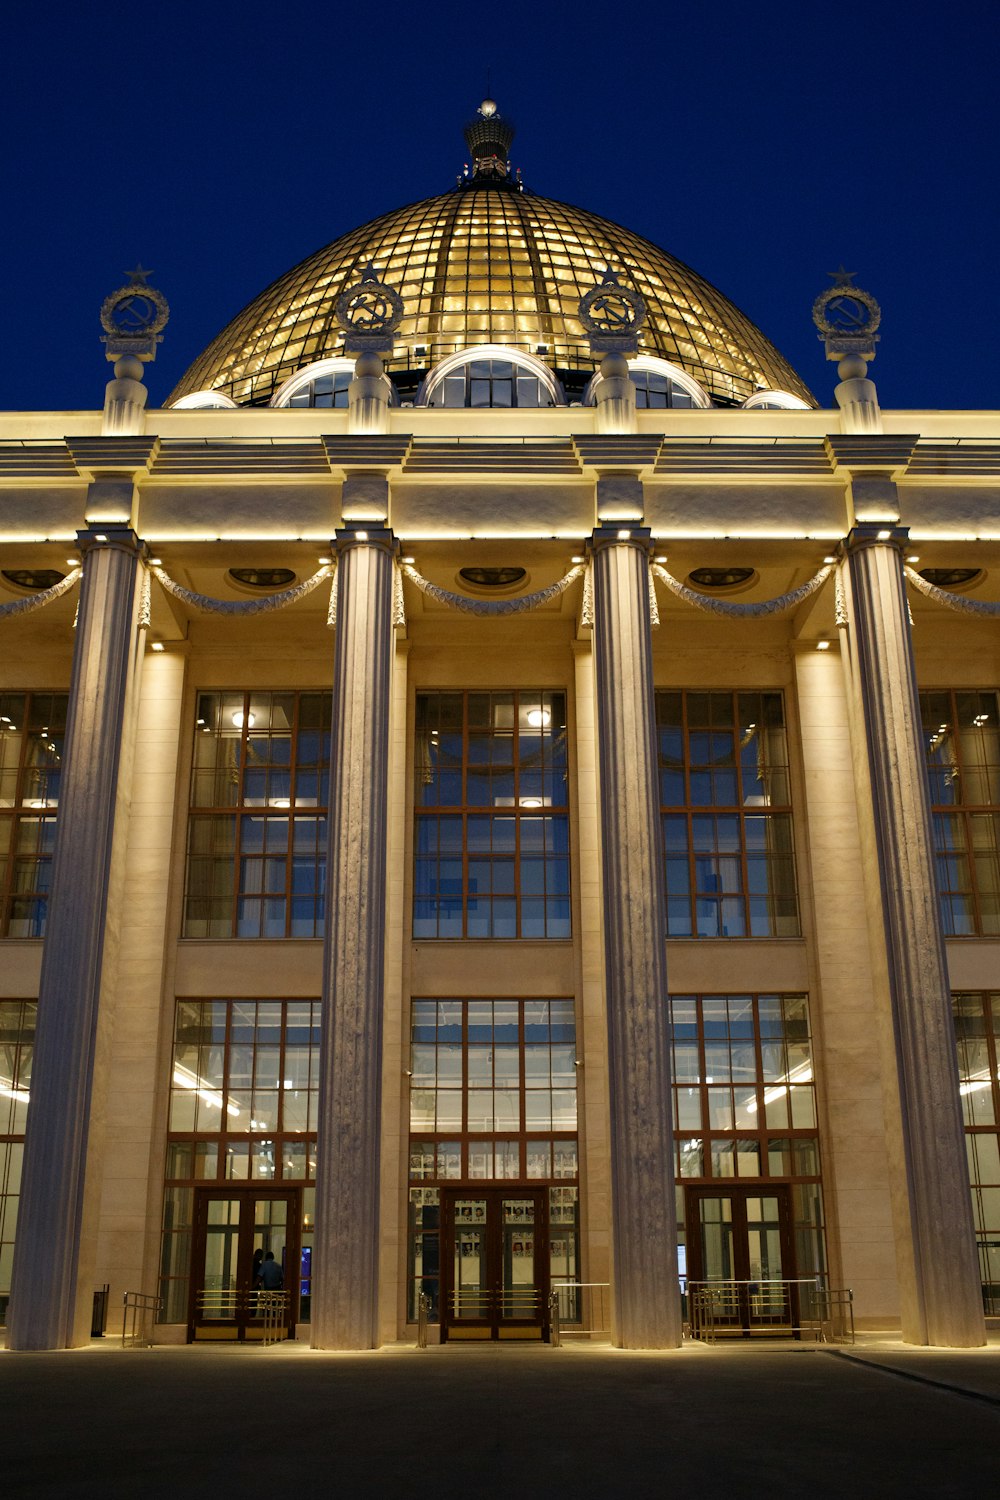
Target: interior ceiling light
pixel 239 719
pixel 538 718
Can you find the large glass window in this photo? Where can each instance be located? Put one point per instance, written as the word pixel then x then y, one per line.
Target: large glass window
pixel 727 824
pixel 977 1034
pixel 658 391
pixel 243 1086
pixel 492 1098
pixel 325 390
pixel 745 1101
pixel 490 382
pixel 17 1035
pixel 32 726
pixel 962 742
pixel 492 821
pixel 256 864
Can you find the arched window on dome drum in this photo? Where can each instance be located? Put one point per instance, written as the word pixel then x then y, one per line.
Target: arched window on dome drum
pixel 658 391
pixel 490 382
pixel 325 390
pixel 490 377
pixel 658 386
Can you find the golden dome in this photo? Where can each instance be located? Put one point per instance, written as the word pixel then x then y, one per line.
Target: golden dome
pixel 490 263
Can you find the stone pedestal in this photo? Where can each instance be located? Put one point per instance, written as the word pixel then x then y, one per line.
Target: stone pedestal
pixel 345 1297
pixel 53 1258
pixel 614 396
pixel 646 1301
pixel 368 397
pixel 938 1271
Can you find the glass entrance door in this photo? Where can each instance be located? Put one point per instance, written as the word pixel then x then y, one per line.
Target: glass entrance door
pixel 494 1263
pixel 244 1260
pixel 739 1254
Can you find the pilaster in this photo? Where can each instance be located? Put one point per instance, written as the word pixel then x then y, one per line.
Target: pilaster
pixel 647 1313
pixel 939 1275
pixel 345 1300
pixel 54 1253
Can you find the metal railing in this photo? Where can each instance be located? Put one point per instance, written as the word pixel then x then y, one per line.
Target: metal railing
pixel 272 1309
pixel 141 1310
pixel 245 1305
pixel 796 1307
pixel 579 1309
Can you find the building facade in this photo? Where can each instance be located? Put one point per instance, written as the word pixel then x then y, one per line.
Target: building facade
pixel 498 789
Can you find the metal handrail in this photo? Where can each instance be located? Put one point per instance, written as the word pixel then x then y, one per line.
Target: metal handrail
pixel 272 1308
pixel 137 1305
pixel 727 1306
pixel 423 1312
pixel 588 1325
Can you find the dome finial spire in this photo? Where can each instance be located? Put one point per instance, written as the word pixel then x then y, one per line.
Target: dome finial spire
pixel 488 136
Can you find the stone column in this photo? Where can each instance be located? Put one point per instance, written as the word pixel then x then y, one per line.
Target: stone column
pixel 939 1275
pixel 54 1251
pixel 345 1299
pixel 646 1301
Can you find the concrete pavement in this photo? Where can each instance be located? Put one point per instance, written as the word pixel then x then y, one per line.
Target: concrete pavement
pixel 500 1420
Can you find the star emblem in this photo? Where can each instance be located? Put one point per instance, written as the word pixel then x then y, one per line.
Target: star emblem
pixel 369 273
pixel 842 277
pixel 138 277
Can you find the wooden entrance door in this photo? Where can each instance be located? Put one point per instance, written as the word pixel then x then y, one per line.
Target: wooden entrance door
pixel 494 1263
pixel 740 1246
pixel 234 1228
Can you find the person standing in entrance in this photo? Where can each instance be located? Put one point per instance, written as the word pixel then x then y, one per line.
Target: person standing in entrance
pixel 272 1278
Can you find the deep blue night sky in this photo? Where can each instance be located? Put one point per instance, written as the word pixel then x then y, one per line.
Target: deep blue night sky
pixel 220 143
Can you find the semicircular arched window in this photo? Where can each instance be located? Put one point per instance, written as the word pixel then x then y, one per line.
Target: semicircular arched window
pixel 658 385
pixel 491 377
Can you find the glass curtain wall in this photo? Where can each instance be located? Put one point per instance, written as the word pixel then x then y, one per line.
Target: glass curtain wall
pixel 32 726
pixel 745 1104
pixel 243 1089
pixel 727 822
pixel 492 816
pixel 962 742
pixel 17 1035
pixel 977 1035
pixel 492 1099
pixel 256 862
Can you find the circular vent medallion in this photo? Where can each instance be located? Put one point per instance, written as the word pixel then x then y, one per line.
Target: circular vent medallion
pixel 32 578
pixel 263 578
pixel 722 578
pixel 493 578
pixel 951 578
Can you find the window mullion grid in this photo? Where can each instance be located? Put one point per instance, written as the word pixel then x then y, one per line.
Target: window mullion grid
pixel 16 818
pixel 689 819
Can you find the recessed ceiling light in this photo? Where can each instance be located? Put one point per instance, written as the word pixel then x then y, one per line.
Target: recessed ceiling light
pixel 239 719
pixel 538 717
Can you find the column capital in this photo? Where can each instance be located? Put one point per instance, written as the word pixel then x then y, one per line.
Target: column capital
pixel 601 537
pixel 872 534
pixel 119 538
pixel 365 536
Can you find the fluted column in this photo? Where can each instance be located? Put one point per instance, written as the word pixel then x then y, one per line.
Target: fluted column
pixel 345 1299
pixel 939 1274
pixel 647 1312
pixel 53 1256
